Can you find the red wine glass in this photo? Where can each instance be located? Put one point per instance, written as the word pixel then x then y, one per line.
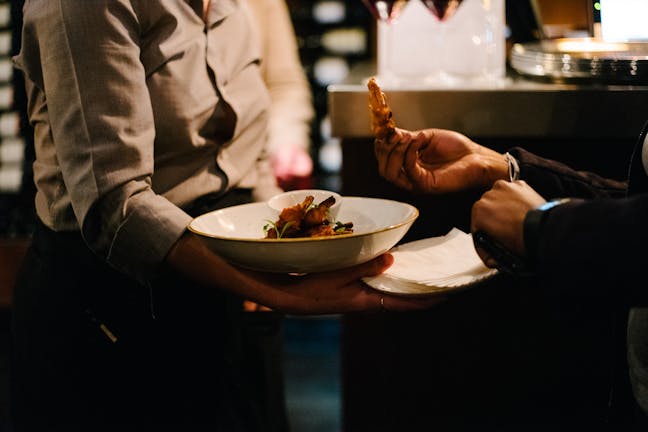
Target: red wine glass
pixel 386 12
pixel 442 9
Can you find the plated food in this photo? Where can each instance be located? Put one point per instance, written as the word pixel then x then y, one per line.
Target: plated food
pixel 307 219
pixel 293 197
pixel 236 234
pixel 382 121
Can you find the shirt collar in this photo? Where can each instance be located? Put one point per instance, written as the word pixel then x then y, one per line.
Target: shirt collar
pixel 219 10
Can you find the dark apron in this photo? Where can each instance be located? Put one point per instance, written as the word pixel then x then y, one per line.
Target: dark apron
pixel 95 350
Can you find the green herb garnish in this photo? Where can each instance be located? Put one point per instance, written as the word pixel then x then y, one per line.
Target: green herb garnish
pixel 272 225
pixel 343 228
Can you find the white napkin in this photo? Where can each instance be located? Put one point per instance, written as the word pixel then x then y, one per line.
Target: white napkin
pixel 432 265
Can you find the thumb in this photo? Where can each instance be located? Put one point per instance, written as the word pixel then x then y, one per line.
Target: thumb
pixel 371 268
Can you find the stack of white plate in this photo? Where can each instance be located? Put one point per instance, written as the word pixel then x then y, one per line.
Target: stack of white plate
pixel 583 59
pixel 432 266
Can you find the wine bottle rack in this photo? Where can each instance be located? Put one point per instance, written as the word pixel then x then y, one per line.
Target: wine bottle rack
pixel 16 137
pixel 332 36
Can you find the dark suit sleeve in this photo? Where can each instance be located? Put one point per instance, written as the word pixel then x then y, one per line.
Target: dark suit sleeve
pixel 553 179
pixel 588 248
pixel 592 248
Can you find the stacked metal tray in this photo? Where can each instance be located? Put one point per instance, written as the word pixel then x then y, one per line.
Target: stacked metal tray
pixel 583 59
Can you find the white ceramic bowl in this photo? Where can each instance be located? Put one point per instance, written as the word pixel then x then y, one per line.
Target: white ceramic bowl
pixel 291 198
pixel 236 234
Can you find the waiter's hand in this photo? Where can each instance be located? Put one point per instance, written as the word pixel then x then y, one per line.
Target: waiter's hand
pixel 332 292
pixel 338 291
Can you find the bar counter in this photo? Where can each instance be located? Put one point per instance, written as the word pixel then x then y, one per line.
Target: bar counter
pixel 474 361
pixel 516 108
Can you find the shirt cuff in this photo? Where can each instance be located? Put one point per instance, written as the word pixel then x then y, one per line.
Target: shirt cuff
pixel 143 240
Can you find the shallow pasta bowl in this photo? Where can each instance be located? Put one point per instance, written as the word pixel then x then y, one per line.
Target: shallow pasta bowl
pixel 237 234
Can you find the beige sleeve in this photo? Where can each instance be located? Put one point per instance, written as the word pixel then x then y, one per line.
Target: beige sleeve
pixel 292 106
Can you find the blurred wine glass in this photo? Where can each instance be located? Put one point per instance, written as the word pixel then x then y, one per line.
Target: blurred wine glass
pixel 386 12
pixel 442 9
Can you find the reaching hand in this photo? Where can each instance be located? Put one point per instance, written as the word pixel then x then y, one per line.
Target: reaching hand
pixel 500 213
pixel 438 161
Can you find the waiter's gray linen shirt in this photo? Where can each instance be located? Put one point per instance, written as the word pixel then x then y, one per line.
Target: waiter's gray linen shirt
pixel 140 107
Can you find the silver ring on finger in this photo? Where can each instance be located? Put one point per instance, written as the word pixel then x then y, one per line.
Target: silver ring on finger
pixel 382 304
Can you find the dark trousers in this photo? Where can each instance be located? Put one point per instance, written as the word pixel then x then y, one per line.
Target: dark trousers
pixel 94 350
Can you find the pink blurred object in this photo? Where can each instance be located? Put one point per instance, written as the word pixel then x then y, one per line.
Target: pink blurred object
pixel 292 166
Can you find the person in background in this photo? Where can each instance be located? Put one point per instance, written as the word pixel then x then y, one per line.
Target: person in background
pixel 583 239
pixel 291 108
pixel 146 114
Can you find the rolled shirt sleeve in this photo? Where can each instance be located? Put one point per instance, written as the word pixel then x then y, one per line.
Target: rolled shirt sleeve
pixel 98 115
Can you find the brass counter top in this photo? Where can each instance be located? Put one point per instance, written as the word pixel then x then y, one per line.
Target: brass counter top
pixel 516 108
